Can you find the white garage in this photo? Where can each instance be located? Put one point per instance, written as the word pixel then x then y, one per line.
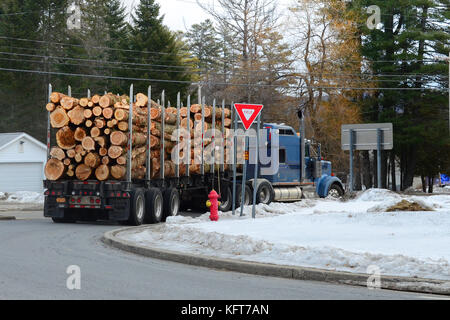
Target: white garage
pixel 22 161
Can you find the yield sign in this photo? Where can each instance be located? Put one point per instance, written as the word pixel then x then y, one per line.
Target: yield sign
pixel 248 113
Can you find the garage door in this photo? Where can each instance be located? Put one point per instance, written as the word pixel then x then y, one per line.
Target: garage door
pixel 21 177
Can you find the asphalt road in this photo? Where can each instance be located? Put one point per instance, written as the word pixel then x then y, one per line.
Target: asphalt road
pixel 35 254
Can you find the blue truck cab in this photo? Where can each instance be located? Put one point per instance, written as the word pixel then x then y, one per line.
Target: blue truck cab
pixel 287 180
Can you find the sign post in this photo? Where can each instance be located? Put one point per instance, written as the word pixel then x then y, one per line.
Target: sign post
pixel 248 113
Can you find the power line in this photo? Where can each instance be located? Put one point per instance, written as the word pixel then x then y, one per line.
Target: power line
pixel 184 56
pixel 193 69
pixel 337 78
pixel 217 83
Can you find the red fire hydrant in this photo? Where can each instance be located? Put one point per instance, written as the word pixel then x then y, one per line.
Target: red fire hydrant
pixel 213 204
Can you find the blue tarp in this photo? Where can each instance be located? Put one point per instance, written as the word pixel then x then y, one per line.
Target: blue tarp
pixel 445 179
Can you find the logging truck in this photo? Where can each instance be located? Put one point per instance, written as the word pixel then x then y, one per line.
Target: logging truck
pixel 137 161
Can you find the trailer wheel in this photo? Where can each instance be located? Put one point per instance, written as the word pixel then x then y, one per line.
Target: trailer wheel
pixel 153 206
pixel 265 193
pixel 171 204
pixel 248 196
pixel 137 210
pixel 226 202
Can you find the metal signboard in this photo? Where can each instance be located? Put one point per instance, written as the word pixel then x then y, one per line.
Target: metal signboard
pixel 366 136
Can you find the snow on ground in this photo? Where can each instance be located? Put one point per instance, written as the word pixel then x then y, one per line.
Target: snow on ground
pixel 22 197
pixel 322 233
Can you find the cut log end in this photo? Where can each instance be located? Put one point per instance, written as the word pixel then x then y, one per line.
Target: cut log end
pixel 83 172
pixel 54 169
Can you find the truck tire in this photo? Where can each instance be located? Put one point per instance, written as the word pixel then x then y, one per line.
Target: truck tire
pixel 248 196
pixel 335 191
pixel 137 208
pixel 226 202
pixel 171 203
pixel 153 206
pixel 265 193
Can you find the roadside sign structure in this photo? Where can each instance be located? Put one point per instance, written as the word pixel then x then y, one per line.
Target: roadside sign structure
pixel 374 136
pixel 248 114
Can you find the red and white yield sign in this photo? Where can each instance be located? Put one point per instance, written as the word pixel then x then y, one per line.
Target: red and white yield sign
pixel 248 113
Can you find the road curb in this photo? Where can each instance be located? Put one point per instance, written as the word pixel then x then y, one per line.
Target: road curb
pixel 290 272
pixel 7 218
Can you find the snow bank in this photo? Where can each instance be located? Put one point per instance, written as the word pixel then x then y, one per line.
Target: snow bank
pixel 23 197
pixel 322 233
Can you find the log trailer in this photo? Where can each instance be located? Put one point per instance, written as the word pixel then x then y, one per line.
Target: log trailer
pixel 153 200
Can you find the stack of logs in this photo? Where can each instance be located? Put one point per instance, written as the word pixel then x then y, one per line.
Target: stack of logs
pixel 92 137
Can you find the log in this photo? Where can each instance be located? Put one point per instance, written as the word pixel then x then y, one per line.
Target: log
pixel 184 123
pixel 108 113
pixel 102 172
pixel 84 102
pixel 118 172
pixel 92 160
pixel 88 113
pixel 100 123
pixel 138 173
pixel 79 149
pixel 65 138
pixel 118 138
pixel 90 104
pixel 107 131
pixel 103 152
pixel 67 162
pixel 76 116
pixel 54 169
pixel 172 110
pixel 123 126
pixel 195 108
pixel 71 153
pixel 95 99
pixel 97 111
pixel 106 160
pixel 88 144
pixel 56 97
pixel 121 115
pixel 70 173
pixel 95 132
pixel 108 100
pixel 89 123
pixel 141 100
pixel 115 152
pixel 68 103
pixel 83 172
pixel 155 114
pixel 78 158
pixel 50 107
pixel 122 160
pixel 101 141
pixel 59 118
pixel 57 153
pixel 184 112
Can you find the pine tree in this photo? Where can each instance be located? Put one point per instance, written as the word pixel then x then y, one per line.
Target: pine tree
pixel 155 45
pixel 413 32
pixel 43 25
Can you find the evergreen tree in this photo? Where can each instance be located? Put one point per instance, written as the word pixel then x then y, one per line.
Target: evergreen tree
pixel 413 33
pixel 43 25
pixel 155 45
